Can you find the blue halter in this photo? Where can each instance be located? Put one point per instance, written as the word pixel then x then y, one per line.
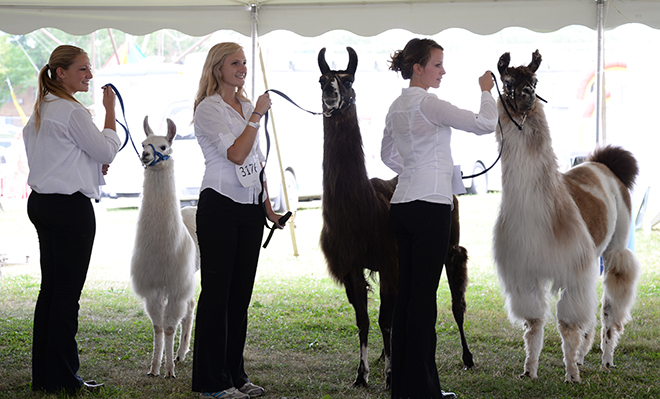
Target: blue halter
pixel 157 156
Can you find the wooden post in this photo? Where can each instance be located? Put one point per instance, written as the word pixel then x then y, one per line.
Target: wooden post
pixel 279 160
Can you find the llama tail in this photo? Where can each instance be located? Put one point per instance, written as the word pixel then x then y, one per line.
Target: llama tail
pixel 621 162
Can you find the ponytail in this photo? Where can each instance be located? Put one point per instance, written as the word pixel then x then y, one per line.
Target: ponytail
pixel 62 57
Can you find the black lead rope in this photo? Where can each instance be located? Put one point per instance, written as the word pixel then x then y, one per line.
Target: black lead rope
pixel 500 125
pixel 501 135
pixel 286 217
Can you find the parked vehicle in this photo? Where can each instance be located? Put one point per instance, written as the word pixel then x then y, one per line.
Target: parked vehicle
pixel 164 91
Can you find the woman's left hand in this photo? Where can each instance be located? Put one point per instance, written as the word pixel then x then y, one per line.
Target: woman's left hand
pixel 274 218
pixel 104 169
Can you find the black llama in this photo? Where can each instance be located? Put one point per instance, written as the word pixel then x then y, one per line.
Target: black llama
pixel 356 233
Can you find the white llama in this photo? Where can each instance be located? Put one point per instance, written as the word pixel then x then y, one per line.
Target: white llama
pixel 165 256
pixel 553 226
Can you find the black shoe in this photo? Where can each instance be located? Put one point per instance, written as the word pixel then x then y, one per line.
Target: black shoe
pixel 448 395
pixel 92 386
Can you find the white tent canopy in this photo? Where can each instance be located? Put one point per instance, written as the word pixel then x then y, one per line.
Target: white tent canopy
pixel 314 17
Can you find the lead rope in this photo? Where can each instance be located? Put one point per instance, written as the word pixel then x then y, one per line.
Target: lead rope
pixel 125 124
pixel 286 217
pixel 499 122
pixel 501 135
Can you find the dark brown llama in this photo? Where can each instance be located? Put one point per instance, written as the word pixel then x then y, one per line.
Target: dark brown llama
pixel 356 233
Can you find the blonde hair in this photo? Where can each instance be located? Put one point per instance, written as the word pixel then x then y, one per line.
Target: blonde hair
pixel 209 82
pixel 62 57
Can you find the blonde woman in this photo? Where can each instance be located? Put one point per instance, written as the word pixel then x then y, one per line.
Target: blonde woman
pixel 67 156
pixel 230 222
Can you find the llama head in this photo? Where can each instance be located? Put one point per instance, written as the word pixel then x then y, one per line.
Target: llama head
pixel 157 148
pixel 519 83
pixel 337 86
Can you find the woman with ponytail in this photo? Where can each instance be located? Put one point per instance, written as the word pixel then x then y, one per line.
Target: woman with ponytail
pixel 67 157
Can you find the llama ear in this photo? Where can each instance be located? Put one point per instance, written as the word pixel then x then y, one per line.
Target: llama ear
pixel 503 63
pixel 171 130
pixel 147 129
pixel 352 61
pixel 536 61
pixel 323 65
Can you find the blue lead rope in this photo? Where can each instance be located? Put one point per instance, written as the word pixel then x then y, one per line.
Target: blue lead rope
pixel 125 124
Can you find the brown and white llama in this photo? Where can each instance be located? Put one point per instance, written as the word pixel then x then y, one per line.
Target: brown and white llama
pixel 553 226
pixel 165 255
pixel 356 234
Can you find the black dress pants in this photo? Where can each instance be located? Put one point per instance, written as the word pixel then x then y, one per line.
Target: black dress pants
pixel 422 232
pixel 230 237
pixel 66 227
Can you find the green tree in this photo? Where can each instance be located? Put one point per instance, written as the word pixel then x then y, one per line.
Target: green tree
pixel 17 55
pixel 21 56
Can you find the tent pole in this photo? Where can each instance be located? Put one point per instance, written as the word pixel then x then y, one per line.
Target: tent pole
pixel 279 160
pixel 254 34
pixel 51 36
pixel 114 46
pixel 194 46
pixel 600 76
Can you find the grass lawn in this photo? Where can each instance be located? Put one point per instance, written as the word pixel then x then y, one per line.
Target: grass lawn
pixel 302 338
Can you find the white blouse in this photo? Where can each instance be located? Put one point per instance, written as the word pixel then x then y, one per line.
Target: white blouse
pixel 217 125
pixel 417 138
pixel 66 154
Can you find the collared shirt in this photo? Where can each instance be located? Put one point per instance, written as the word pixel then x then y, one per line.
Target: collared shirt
pixel 67 153
pixel 417 142
pixel 217 126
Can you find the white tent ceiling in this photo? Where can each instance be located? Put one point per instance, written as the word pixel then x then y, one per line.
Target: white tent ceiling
pixel 314 17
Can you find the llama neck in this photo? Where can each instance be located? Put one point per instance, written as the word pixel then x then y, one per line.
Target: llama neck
pixel 528 160
pixel 159 196
pixel 344 172
pixel 531 181
pixel 343 155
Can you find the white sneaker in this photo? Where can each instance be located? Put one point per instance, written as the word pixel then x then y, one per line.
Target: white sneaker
pixel 252 390
pixel 230 393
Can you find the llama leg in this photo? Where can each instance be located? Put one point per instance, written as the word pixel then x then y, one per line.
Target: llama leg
pixel 576 318
pixel 356 291
pixel 619 291
pixel 174 312
pixel 186 332
pixel 169 332
pixel 457 277
pixel 530 306
pixel 571 340
pixel 385 317
pixel 154 307
pixel 533 338
pixel 587 342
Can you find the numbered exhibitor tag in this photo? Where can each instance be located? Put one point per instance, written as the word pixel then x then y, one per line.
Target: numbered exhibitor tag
pixel 248 173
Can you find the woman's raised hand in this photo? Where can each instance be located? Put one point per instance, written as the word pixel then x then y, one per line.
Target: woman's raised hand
pixel 109 97
pixel 486 81
pixel 263 104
